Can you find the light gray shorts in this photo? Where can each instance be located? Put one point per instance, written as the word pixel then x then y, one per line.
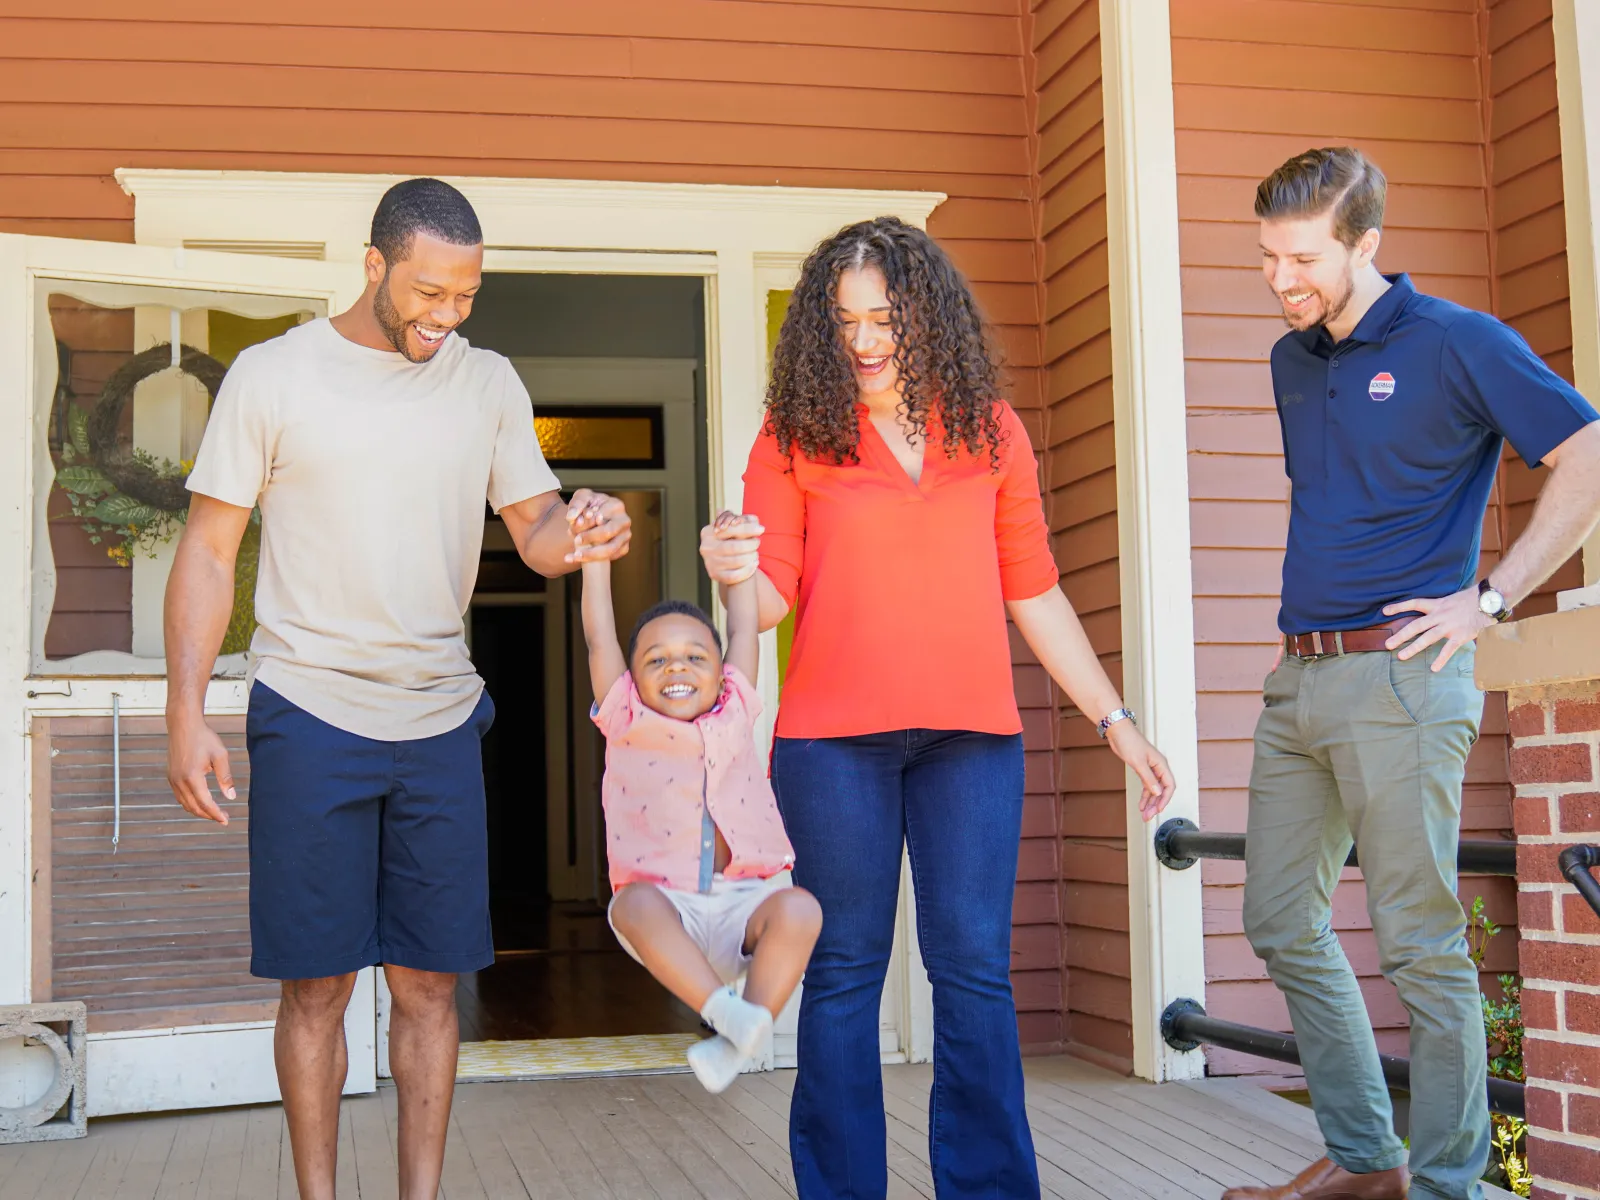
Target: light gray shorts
pixel 716 920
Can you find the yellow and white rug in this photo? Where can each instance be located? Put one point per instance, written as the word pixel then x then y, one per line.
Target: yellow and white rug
pixel 560 1058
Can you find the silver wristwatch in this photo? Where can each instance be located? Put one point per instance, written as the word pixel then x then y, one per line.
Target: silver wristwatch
pixel 1111 718
pixel 1490 602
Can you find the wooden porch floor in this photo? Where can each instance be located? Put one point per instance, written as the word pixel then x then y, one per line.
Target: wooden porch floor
pixel 1098 1135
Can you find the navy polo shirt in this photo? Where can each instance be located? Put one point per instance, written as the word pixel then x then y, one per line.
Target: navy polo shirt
pixel 1391 439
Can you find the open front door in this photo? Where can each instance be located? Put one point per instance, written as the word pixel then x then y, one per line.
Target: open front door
pixel 109 892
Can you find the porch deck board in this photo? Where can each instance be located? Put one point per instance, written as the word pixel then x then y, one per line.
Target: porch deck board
pixel 1099 1137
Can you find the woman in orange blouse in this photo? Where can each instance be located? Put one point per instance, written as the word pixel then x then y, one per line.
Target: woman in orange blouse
pixel 899 515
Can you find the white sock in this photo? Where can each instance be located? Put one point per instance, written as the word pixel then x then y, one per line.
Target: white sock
pixel 744 1024
pixel 716 1062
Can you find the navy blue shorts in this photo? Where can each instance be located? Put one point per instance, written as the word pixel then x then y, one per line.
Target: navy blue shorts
pixel 365 852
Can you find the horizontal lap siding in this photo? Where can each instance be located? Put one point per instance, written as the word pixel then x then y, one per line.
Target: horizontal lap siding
pixel 1256 81
pixel 1529 230
pixel 728 91
pixel 759 92
pixel 1080 475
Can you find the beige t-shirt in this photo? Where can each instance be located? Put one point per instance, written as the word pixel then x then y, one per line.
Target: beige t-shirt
pixel 371 472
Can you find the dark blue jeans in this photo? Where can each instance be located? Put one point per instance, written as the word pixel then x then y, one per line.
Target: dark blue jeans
pixel 955 799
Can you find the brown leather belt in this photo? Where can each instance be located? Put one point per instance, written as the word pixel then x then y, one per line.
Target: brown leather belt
pixel 1347 641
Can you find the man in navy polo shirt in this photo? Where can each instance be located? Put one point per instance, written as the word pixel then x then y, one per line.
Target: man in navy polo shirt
pixel 1394 407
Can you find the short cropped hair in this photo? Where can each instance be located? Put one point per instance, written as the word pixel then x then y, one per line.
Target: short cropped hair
pixel 428 206
pixel 669 608
pixel 1336 179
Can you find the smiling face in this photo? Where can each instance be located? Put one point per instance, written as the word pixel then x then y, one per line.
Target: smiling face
pixel 862 301
pixel 1310 271
pixel 420 299
pixel 677 666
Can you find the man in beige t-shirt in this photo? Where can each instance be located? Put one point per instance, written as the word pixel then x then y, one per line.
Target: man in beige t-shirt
pixel 370 443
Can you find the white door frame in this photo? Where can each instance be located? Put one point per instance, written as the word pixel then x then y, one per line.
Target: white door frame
pixel 739 239
pixel 1166 934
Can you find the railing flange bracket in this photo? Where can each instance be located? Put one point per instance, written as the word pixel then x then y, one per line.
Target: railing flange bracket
pixel 1181 1007
pixel 1164 853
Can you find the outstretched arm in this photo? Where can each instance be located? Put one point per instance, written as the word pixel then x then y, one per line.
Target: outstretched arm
pixel 744 627
pixel 606 663
pixel 743 598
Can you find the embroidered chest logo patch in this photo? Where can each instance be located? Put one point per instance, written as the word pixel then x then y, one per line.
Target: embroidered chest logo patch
pixel 1382 386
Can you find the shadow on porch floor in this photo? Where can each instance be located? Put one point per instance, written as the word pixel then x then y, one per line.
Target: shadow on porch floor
pixel 1098 1135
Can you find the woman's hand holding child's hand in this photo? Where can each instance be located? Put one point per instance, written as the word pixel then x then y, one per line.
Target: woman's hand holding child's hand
pixel 731 547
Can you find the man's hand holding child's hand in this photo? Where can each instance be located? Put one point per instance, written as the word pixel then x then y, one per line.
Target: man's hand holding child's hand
pixel 600 525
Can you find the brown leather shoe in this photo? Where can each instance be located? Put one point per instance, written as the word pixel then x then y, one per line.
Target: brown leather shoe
pixel 1326 1180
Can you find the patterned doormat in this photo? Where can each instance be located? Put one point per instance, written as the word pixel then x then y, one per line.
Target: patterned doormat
pixel 559 1058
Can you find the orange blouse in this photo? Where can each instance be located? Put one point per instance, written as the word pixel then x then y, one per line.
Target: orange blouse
pixel 899 588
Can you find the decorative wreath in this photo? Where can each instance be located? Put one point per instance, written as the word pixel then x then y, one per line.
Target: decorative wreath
pixel 121 492
pixel 130 496
pixel 126 472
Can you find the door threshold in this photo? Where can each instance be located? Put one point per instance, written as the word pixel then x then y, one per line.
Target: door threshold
pixel 574 1058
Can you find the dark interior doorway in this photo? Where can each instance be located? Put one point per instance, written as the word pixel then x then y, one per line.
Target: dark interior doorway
pixel 558 969
pixel 508 647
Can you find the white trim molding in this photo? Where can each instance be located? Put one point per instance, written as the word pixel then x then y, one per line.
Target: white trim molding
pixel 335 210
pixel 1576 27
pixel 1166 936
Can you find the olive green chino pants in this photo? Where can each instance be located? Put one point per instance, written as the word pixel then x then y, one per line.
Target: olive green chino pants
pixel 1372 749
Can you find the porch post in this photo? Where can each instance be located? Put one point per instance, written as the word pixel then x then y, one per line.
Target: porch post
pixel 1550 668
pixel 1576 27
pixel 1166 946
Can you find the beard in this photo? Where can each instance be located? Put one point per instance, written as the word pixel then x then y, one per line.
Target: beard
pixel 392 323
pixel 1332 305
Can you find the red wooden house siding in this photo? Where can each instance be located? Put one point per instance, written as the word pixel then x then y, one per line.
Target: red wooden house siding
pixel 1081 486
pixel 1455 99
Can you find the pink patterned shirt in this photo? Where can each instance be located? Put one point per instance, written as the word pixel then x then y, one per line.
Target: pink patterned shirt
pixel 668 780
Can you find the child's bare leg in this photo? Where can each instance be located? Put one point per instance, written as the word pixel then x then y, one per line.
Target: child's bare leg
pixel 780 935
pixel 652 926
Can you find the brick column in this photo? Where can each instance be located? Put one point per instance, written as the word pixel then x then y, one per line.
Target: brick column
pixel 1555 764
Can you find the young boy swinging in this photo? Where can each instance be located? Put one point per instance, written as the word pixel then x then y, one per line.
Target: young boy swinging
pixel 699 860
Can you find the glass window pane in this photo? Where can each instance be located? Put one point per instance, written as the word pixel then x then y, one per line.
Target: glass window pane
pixel 589 437
pixel 120 427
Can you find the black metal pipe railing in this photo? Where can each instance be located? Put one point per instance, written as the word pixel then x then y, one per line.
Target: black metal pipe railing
pixel 1576 862
pixel 1185 1026
pixel 1180 844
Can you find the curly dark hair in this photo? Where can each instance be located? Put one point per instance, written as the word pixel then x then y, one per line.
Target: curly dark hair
pixel 941 349
pixel 667 608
